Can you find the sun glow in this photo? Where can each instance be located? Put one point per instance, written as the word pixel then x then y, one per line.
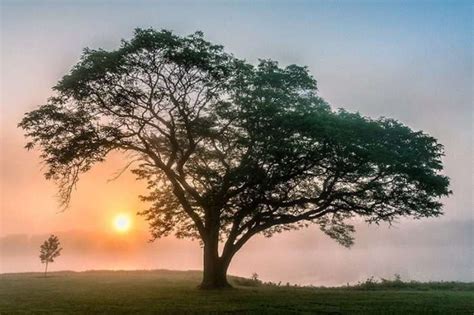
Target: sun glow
pixel 122 223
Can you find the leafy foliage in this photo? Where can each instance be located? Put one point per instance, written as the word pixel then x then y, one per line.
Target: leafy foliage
pixel 230 149
pixel 50 249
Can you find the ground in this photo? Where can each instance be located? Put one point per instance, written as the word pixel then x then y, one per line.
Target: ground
pixel 174 292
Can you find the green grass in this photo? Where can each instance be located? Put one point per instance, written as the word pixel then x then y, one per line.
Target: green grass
pixel 174 292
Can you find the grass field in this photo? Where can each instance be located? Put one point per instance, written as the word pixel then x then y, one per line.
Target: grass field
pixel 174 292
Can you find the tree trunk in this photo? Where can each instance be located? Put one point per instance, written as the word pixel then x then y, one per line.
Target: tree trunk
pixel 215 267
pixel 46 269
pixel 215 274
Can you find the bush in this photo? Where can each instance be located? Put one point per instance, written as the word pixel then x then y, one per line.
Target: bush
pixel 398 284
pixel 245 282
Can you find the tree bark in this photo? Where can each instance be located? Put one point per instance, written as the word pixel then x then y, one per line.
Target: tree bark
pixel 215 274
pixel 215 267
pixel 46 269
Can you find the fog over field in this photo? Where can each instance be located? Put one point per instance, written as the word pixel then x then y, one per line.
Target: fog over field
pixel 306 257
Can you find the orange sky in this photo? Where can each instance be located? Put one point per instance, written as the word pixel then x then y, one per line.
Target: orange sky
pixel 410 65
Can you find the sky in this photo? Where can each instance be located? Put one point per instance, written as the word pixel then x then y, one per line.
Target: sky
pixel 408 60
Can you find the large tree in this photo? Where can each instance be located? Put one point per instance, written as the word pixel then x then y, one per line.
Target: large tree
pixel 230 149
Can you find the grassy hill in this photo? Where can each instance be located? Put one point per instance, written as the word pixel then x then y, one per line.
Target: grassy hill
pixel 174 292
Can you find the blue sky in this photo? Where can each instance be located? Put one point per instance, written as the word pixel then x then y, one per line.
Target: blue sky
pixel 410 60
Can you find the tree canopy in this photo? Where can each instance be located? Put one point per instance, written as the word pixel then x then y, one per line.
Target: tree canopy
pixel 230 149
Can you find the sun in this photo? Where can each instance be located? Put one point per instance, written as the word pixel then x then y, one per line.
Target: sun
pixel 122 223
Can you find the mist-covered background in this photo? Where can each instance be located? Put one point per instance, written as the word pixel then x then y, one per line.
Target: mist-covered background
pixel 407 60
